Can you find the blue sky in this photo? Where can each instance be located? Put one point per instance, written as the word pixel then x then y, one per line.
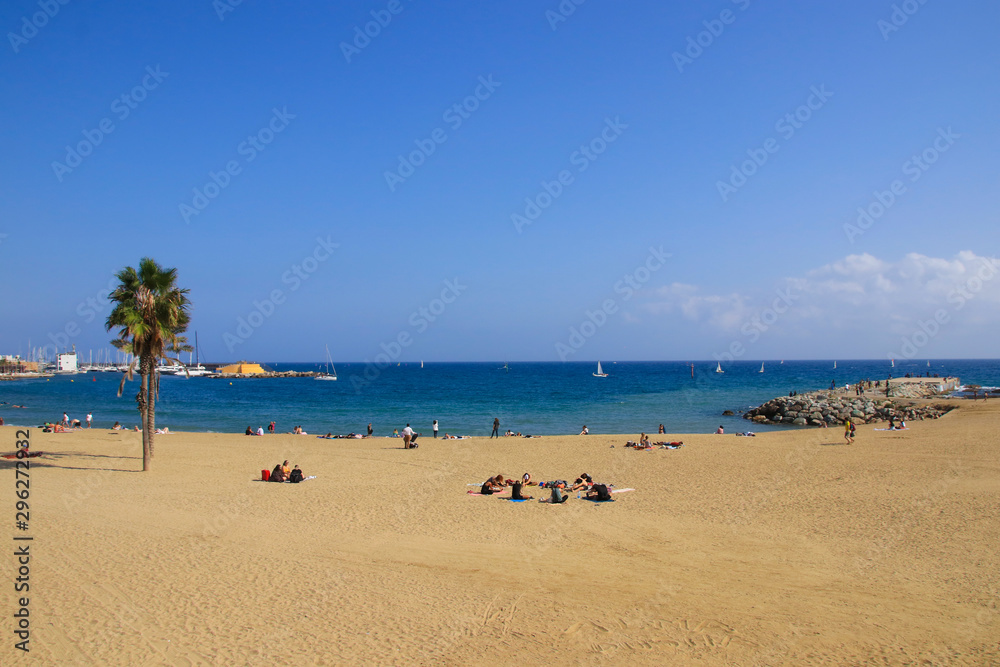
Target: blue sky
pixel 207 89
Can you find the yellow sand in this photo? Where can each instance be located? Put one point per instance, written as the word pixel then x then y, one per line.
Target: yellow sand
pixel 789 548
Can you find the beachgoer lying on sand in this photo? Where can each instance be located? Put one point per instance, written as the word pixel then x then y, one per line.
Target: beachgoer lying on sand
pixel 163 431
pixel 328 436
pixel 117 427
pixel 600 493
pixel 516 494
pixel 582 482
pixel 135 428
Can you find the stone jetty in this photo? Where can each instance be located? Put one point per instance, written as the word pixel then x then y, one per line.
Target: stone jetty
pixel 834 407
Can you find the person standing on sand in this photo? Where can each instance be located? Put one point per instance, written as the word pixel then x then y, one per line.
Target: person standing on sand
pixel 270 427
pixel 496 428
pixel 849 431
pixel 370 431
pixel 90 419
pixel 435 428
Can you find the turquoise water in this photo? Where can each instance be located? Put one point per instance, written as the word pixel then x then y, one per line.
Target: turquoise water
pixel 535 398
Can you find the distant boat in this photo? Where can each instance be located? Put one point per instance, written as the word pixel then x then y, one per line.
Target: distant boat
pixel 892 363
pixel 718 368
pixel 782 361
pixel 197 370
pixel 835 365
pixel 329 364
pixel 421 363
pixel 600 372
pixel 761 367
pixel 505 368
pixel 928 364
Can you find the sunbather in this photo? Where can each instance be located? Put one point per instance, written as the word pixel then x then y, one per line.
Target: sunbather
pixel 516 494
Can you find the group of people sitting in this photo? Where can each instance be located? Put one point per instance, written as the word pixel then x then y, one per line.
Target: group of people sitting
pixel 282 473
pixel 644 443
pixel 559 489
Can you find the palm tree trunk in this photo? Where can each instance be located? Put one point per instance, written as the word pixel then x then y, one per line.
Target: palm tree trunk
pixel 143 400
pixel 154 388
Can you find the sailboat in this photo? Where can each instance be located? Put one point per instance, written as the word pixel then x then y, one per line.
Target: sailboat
pixel 892 363
pixel 718 368
pixel 835 365
pixel 421 363
pixel 600 372
pixel 928 364
pixel 761 367
pixel 329 364
pixel 196 370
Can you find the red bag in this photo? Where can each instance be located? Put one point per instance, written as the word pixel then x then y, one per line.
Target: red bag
pixel 265 475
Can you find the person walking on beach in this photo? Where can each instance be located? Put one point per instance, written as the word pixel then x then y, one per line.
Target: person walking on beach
pixel 370 431
pixel 849 431
pixel 65 419
pixel 496 428
pixel 90 419
pixel 435 428
pixel 270 427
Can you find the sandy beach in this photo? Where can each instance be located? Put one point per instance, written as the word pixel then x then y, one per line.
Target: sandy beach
pixel 788 548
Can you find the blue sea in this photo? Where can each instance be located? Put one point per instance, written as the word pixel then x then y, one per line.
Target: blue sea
pixel 532 398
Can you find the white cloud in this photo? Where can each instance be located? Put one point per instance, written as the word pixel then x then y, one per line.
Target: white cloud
pixel 860 296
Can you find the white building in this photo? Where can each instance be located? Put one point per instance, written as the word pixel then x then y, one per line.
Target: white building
pixel 66 363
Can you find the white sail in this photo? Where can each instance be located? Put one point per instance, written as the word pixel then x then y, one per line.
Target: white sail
pixel 718 368
pixel 761 367
pixel 600 372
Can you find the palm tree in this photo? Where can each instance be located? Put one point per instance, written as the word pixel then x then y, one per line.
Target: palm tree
pixel 151 313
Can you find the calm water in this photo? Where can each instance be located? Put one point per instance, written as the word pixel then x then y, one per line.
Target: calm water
pixel 536 398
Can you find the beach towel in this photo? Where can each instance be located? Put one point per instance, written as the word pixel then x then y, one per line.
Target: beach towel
pixel 621 490
pixel 29 455
pixel 515 500
pixel 476 493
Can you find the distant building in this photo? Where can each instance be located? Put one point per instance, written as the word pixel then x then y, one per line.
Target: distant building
pixel 66 363
pixel 242 367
